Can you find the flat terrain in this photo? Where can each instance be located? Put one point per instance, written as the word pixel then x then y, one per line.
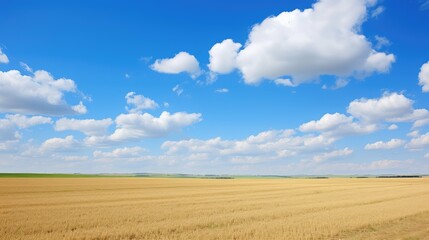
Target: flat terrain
pixel 151 208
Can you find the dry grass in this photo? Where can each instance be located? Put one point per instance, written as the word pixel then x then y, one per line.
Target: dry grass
pixel 136 208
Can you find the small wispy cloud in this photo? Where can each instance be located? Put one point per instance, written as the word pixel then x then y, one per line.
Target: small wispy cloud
pixel 26 67
pixel 178 90
pixel 381 42
pixel 222 90
pixel 424 4
pixel 379 10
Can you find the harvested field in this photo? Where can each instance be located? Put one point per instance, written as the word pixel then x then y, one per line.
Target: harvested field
pixel 152 208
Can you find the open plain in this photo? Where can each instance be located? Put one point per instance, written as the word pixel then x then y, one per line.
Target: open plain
pixel 181 208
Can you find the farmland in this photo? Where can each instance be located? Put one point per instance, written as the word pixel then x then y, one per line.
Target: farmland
pixel 191 208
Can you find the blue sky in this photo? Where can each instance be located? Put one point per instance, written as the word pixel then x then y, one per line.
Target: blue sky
pixel 226 87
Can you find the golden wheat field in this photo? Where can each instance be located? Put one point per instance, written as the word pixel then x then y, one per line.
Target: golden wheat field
pixel 178 208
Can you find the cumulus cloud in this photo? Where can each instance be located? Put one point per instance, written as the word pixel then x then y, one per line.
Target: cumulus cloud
pixel 419 142
pixel 304 45
pixel 60 144
pixel 413 134
pixel 421 123
pixel 265 146
pixel 38 94
pixel 223 56
pixel 11 123
pixel 424 77
pixel 392 127
pixel 391 107
pixel 3 57
pixel 136 126
pixel 22 121
pixel 393 143
pixel 89 127
pixel 145 125
pixel 126 152
pixel 386 164
pixel 8 131
pixel 369 115
pixel 182 62
pixel 337 125
pixel 333 154
pixel 139 102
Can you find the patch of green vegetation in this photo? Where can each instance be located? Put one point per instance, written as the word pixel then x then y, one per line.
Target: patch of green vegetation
pixel 59 175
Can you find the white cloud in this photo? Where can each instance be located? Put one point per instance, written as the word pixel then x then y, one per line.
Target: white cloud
pixel 265 146
pixel 378 62
pixel 386 164
pixel 339 83
pixel 177 89
pixel 337 125
pixel 421 123
pixel 26 67
pixel 75 158
pixel 322 40
pixel 381 42
pixel 419 142
pixel 391 107
pixel 284 82
pixel 222 90
pixel 393 143
pixel 379 10
pixel 134 125
pixel 424 77
pixel 90 127
pixel 413 134
pixel 333 154
pixel 11 123
pixel 426 155
pixel 126 152
pixel 392 127
pixel 223 56
pixel 59 144
pixel 3 57
pixel 80 108
pixel 139 102
pixel 326 123
pixel 26 122
pixel 127 75
pixel 38 94
pixel 8 131
pixel 182 62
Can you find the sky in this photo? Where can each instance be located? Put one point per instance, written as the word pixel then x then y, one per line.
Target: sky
pixel 215 87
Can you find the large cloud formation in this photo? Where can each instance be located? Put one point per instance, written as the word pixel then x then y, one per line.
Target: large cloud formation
pixel 38 94
pixel 303 45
